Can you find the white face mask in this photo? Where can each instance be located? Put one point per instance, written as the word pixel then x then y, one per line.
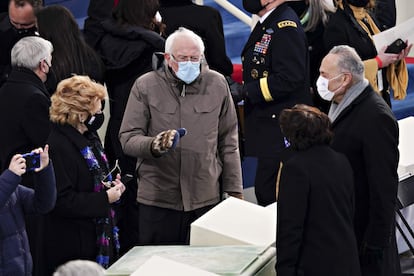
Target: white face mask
pixel 322 85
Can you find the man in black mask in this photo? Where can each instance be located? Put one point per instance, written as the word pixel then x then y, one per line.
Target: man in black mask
pixel 20 21
pixel 24 118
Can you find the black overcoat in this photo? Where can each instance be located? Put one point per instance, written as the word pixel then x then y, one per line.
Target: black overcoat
pixel 343 29
pixel 127 54
pixel 24 114
pixel 367 133
pixel 315 234
pixel 70 229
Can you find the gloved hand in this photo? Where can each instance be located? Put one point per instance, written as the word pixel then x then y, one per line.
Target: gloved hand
pixel 236 90
pixel 166 140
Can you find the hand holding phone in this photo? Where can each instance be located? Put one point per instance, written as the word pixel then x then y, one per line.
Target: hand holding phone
pixel 396 47
pixel 32 161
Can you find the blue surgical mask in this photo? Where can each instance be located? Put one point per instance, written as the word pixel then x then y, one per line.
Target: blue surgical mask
pixel 188 71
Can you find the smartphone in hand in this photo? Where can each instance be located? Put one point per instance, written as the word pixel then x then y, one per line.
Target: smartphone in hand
pixel 32 161
pixel 396 47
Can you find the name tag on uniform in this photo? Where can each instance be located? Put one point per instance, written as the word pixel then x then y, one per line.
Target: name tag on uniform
pixel 287 23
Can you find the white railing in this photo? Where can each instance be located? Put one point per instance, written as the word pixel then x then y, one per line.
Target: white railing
pixel 233 10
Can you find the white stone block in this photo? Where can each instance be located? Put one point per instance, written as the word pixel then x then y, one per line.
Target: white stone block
pixel 235 222
pixel 157 265
pixel 406 147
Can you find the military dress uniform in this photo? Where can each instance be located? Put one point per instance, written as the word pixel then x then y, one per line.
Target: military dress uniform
pixel 276 76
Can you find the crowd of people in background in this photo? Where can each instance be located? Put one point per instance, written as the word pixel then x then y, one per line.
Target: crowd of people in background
pixel 314 88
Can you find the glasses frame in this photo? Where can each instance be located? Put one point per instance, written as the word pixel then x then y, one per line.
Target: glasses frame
pixel 191 59
pixel 108 183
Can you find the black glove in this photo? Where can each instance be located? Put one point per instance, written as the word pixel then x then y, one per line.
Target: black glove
pixel 166 140
pixel 236 89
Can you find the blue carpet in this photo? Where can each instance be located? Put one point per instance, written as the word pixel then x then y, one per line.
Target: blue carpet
pixel 78 8
pixel 405 107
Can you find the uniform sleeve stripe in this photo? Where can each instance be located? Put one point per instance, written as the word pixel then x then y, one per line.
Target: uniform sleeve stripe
pixel 265 90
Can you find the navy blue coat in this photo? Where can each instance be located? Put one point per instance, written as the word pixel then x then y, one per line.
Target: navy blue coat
pixel 15 202
pixel 276 75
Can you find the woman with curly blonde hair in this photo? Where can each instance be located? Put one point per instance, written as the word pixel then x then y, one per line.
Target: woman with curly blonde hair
pixel 83 223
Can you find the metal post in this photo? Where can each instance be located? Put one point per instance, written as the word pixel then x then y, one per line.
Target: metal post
pixel 235 11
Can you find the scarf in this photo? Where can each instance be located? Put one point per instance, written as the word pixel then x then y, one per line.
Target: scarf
pixel 396 73
pixel 106 230
pixel 352 93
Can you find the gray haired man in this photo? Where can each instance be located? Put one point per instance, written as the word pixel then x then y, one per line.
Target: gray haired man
pixel 366 131
pixel 24 100
pixel 24 115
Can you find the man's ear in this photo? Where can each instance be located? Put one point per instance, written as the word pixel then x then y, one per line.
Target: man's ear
pixel 43 66
pixel 348 79
pixel 167 56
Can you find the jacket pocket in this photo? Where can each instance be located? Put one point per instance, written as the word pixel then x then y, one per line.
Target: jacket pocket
pixel 164 114
pixel 208 114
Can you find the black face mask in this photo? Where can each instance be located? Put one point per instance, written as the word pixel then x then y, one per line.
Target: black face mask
pixel 25 32
pixel 94 122
pixel 252 6
pixel 358 3
pixel 299 7
pixel 51 82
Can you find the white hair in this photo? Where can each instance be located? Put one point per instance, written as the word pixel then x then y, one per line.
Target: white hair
pixel 349 61
pixel 78 268
pixel 183 32
pixel 29 51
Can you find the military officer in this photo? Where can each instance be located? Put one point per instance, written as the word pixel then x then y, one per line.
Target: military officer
pixel 275 73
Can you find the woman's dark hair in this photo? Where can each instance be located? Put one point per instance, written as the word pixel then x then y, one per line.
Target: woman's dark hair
pixel 305 126
pixel 138 13
pixel 71 54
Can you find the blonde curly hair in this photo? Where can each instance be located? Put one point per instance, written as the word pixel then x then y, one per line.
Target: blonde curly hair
pixel 75 96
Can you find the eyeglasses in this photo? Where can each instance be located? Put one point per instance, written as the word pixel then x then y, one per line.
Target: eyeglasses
pixel 181 58
pixel 107 179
